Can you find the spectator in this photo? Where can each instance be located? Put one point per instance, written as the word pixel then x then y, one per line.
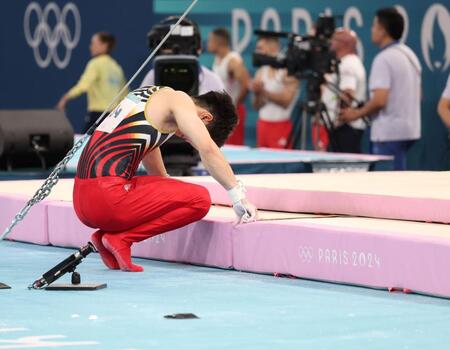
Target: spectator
pixel 230 67
pixel 274 97
pixel 394 84
pixel 208 80
pixel 102 79
pixel 352 82
pixel 444 105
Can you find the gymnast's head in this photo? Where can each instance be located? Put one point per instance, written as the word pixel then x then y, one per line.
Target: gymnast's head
pixel 218 113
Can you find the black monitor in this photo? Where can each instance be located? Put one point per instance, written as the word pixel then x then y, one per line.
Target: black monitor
pixel 179 72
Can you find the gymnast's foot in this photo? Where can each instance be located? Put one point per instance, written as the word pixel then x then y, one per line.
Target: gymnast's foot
pixel 121 251
pixel 108 259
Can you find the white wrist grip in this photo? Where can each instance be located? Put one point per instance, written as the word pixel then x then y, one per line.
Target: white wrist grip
pixel 237 193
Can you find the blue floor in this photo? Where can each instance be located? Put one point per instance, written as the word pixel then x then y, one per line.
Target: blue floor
pixel 236 310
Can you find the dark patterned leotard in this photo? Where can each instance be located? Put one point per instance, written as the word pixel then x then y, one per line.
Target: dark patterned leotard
pixel 122 140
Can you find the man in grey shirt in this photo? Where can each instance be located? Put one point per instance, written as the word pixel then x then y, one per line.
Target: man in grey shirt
pixel 395 86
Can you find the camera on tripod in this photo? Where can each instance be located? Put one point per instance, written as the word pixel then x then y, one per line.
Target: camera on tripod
pixel 306 57
pixel 176 65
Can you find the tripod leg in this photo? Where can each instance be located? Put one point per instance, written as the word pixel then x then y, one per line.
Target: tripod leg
pixel 303 129
pixel 298 133
pixel 293 137
pixel 318 143
pixel 290 138
pixel 296 125
pixel 325 117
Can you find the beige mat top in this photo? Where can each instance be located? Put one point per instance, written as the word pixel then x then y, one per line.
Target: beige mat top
pixel 63 191
pixel 375 226
pixel 419 184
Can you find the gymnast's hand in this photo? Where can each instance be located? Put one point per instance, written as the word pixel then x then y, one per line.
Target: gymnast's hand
pixel 245 211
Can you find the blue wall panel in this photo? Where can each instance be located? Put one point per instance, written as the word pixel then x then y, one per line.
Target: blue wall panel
pixel 24 84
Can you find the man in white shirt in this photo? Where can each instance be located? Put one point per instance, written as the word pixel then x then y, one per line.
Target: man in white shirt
pixel 230 67
pixel 444 105
pixel 274 98
pixel 394 83
pixel 352 83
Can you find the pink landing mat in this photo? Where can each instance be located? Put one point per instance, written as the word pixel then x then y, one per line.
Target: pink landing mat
pixel 377 253
pixel 371 252
pixel 33 228
pixel 418 196
pixel 207 242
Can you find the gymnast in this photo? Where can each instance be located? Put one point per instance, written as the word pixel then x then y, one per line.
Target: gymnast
pixel 125 208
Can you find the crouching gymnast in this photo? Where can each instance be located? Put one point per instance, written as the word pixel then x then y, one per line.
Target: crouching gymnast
pixel 126 208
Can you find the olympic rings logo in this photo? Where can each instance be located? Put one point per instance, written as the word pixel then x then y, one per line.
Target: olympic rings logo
pixel 52 38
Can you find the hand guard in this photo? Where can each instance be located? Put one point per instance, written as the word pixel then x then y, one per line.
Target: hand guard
pixel 245 211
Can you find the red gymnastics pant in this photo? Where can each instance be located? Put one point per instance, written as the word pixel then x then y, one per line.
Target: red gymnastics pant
pixel 238 135
pixel 140 208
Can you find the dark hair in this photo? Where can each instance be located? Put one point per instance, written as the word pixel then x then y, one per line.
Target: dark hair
pixel 220 105
pixel 107 39
pixel 223 34
pixel 392 21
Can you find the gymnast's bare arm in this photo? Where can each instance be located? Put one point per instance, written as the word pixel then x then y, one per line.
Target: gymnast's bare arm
pixel 154 164
pixel 175 110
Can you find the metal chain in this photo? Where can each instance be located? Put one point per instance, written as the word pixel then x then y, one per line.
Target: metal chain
pixel 53 178
pixel 46 187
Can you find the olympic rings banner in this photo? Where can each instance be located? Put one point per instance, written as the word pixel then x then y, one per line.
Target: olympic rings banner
pixel 52 37
pixel 45 46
